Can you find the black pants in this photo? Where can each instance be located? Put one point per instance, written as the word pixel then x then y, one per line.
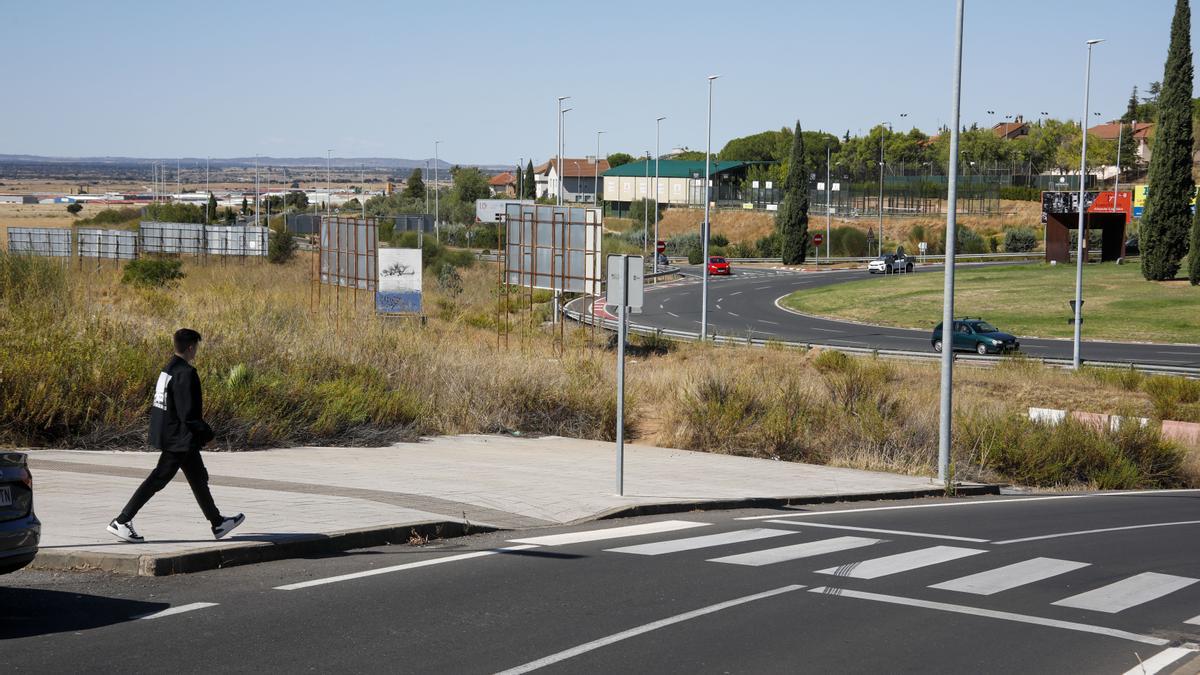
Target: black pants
pixel 169 463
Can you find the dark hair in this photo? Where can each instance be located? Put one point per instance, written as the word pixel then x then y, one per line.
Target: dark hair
pixel 185 339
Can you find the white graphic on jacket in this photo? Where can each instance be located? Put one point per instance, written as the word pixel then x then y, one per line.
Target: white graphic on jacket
pixel 160 391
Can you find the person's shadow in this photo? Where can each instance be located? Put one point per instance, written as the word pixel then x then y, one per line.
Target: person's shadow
pixel 25 612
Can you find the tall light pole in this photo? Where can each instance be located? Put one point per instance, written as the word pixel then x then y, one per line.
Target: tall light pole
pixel 1082 238
pixel 207 216
pixel 881 140
pixel 559 150
pixel 704 229
pixel 437 207
pixel 657 154
pixel 946 412
pixel 362 188
pixel 328 182
pixel 1117 175
pixel 562 149
pixel 828 196
pixel 596 178
pixel 646 211
pixel 256 192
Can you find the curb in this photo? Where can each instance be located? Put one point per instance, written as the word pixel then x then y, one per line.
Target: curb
pixel 778 502
pixel 241 553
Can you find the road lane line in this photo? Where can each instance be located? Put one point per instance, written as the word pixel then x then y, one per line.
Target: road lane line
pixel 643 629
pixel 1010 576
pixel 773 323
pixel 657 527
pixel 673 314
pixel 1127 593
pixel 737 315
pixel 171 611
pixel 1160 660
pixel 738 293
pixel 399 568
pixel 879 531
pixel 825 330
pixel 707 541
pixel 761 288
pixel 771 556
pixel 1077 533
pixel 901 562
pixel 993 614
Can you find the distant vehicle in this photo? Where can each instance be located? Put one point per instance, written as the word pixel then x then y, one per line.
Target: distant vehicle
pixel 20 530
pixel 662 260
pixel 889 263
pixel 978 336
pixel 1131 247
pixel 718 265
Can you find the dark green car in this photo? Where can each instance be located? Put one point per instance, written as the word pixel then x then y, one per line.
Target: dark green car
pixel 978 336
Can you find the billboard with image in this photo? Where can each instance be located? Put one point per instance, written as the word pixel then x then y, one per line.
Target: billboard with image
pixel 399 286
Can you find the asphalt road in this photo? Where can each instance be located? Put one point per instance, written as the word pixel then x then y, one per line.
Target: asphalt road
pixel 1067 583
pixel 744 305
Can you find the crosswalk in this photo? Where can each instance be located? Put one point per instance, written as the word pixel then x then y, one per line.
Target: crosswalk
pixel 776 546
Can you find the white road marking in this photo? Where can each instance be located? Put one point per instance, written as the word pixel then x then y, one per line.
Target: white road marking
pixel 170 611
pixel 825 330
pixel 1103 529
pixel 1180 353
pixel 761 288
pixel 718 307
pixel 1127 593
pixel 737 293
pixel 673 314
pixel 610 533
pixel 737 315
pixel 1160 660
pixel 771 556
pixel 641 630
pixel 707 541
pixel 879 531
pixel 993 614
pixel 773 323
pixel 398 568
pixel 1010 576
pixel 901 562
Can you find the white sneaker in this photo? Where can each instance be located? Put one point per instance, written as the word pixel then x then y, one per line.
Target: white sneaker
pixel 227 525
pixel 125 532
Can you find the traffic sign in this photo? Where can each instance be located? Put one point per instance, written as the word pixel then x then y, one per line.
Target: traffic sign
pixel 660 246
pixel 818 239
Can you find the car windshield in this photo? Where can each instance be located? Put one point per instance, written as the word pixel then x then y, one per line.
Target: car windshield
pixel 985 327
pixel 716 260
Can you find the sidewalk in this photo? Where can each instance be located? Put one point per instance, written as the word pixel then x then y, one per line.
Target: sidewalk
pixel 307 501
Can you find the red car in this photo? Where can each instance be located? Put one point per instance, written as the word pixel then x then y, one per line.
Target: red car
pixel 718 265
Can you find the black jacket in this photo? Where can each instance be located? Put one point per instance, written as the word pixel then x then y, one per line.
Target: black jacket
pixel 177 412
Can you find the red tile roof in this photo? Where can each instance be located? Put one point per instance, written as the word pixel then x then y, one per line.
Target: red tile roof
pixel 574 168
pixel 1010 129
pixel 1110 131
pixel 500 180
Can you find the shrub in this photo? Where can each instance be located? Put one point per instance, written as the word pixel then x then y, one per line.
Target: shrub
pixel 282 247
pixel 1168 394
pixel 449 279
pixel 25 278
pixel 1020 240
pixel 769 246
pixel 846 241
pixel 718 240
pixel 152 272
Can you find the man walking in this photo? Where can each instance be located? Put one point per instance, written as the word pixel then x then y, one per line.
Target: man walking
pixel 178 429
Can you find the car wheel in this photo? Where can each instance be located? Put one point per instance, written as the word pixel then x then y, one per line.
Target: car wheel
pixel 937 346
pixel 981 348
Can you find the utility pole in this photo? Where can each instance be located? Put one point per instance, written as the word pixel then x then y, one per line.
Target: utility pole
pixel 705 228
pixel 1117 175
pixel 828 206
pixel 646 210
pixel 596 178
pixel 559 151
pixel 1080 253
pixel 657 155
pixel 328 189
pixel 946 411
pixel 437 207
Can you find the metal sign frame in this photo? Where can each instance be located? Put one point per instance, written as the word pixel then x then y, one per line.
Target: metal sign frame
pixel 50 242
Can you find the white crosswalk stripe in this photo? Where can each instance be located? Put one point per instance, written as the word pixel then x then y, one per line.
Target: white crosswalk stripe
pixel 1128 592
pixel 771 556
pixel 901 562
pixel 706 541
pixel 1010 576
pixel 609 533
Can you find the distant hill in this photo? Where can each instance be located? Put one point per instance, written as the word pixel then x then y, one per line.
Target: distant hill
pixel 218 162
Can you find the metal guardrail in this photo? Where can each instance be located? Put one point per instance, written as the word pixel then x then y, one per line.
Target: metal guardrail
pixel 900 354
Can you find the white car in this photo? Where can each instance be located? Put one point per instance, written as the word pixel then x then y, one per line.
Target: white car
pixel 889 263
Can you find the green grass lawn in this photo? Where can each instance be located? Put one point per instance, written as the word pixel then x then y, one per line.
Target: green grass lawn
pixel 1026 300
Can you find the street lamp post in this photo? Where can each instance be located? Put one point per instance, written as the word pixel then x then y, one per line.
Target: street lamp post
pixel 945 415
pixel 562 150
pixel 645 210
pixel 437 206
pixel 881 139
pixel 1082 238
pixel 559 150
pixel 705 228
pixel 596 178
pixel 828 207
pixel 657 153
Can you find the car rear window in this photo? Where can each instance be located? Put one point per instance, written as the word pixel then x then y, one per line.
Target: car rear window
pixel 985 327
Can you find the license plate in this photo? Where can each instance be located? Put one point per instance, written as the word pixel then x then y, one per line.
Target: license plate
pixel 6 496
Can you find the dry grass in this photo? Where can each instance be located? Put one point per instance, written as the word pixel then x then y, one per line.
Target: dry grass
pixel 37 215
pixel 279 370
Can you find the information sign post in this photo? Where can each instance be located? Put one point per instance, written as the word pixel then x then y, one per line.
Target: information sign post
pixel 625 284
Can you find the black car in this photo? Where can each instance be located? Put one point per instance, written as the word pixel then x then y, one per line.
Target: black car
pixel 978 336
pixel 20 530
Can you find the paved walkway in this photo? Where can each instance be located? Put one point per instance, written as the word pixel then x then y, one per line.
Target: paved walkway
pixel 298 496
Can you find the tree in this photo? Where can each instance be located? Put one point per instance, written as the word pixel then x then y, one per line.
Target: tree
pixel 210 210
pixel 1132 108
pixel 792 220
pixel 297 199
pixel 74 208
pixel 1166 221
pixel 618 158
pixel 245 206
pixel 529 189
pixel 281 247
pixel 469 185
pixel 416 185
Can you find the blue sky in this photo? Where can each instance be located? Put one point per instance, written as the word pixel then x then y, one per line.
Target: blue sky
pixel 295 78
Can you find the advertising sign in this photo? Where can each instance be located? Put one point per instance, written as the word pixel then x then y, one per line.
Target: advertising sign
pixel 399 289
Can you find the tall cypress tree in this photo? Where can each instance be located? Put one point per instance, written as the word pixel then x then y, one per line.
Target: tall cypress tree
pixel 792 220
pixel 1164 230
pixel 530 186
